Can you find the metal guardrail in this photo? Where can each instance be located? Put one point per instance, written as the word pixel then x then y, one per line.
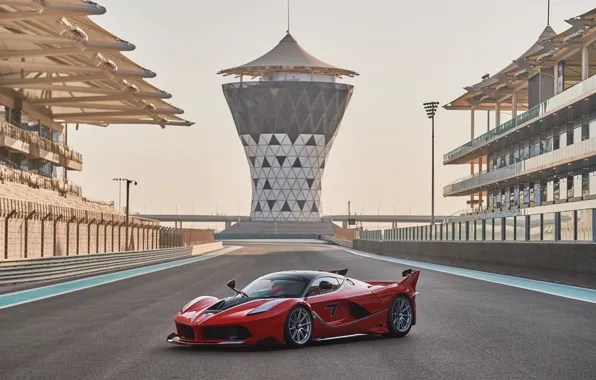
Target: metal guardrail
pixel 43 269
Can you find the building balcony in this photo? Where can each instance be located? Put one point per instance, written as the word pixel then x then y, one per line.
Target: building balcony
pixel 43 149
pixel 473 149
pixel 13 139
pixel 32 145
pixel 532 166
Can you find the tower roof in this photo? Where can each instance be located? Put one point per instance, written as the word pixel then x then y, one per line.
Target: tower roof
pixel 287 56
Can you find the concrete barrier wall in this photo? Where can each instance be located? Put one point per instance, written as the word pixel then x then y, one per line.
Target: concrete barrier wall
pixel 573 264
pixel 241 236
pixel 201 249
pixel 340 242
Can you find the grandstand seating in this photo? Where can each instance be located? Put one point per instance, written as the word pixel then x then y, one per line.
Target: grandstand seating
pixel 62 198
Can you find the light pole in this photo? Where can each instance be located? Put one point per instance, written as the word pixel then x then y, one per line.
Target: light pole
pixel 431 109
pixel 128 182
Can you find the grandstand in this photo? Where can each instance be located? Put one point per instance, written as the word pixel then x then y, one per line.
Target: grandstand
pixel 58 67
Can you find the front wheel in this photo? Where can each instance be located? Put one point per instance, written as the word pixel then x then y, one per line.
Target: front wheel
pixel 298 327
pixel 399 317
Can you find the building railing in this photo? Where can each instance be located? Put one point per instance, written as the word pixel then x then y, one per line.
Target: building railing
pixel 36 140
pixel 581 89
pixel 543 161
pixel 564 226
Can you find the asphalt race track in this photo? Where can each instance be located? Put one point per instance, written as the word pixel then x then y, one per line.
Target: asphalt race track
pixel 467 329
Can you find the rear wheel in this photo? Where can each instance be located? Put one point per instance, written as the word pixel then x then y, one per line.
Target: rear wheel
pixel 298 327
pixel 399 317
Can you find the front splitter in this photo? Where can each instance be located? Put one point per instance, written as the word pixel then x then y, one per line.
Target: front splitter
pixel 175 339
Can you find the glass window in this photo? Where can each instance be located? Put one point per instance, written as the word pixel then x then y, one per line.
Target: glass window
pixel 577 134
pixel 549 140
pixel 569 185
pixel 567 225
pixel 584 225
pixel 577 183
pixel 516 195
pixel 535 227
pixel 592 185
pixel 520 228
pixel 549 189
pixel 556 189
pixel 556 138
pixel 585 126
pixel 548 226
pixel 526 193
pixel 315 289
pixel 537 193
pixel 512 196
pixel 497 228
pixel 534 146
pixel 570 134
pixel 543 190
pixel 585 182
pixel 46 132
pixel 592 128
pixel 509 228
pixel 532 196
pixel 489 229
pixel 276 285
pixel 526 148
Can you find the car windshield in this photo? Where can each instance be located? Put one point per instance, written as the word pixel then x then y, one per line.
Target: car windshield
pixel 277 286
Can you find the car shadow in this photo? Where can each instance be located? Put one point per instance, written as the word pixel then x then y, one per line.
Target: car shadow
pixel 275 346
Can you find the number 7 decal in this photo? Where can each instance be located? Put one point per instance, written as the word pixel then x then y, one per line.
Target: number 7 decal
pixel 333 307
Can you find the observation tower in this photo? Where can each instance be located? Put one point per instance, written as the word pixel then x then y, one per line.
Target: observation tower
pixel 287 117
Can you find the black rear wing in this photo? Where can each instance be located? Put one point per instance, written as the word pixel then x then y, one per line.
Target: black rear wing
pixel 341 272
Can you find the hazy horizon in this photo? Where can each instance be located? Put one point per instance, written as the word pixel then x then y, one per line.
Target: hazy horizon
pixel 406 55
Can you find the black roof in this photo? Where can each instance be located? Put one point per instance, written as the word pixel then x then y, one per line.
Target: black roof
pixel 307 274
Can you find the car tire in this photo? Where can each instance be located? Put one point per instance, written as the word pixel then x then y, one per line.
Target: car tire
pixel 400 316
pixel 298 327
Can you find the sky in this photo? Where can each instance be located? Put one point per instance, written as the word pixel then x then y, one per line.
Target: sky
pixel 406 53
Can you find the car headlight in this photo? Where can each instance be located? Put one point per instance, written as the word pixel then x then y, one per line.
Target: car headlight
pixel 265 307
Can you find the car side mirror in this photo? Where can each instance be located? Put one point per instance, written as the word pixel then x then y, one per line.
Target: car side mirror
pixel 407 272
pixel 232 284
pixel 325 285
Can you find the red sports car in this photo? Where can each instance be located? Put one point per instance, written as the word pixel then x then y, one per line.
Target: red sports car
pixel 295 307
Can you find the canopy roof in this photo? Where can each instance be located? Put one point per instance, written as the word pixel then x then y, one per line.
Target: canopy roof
pixel 53 57
pixel 544 53
pixel 287 56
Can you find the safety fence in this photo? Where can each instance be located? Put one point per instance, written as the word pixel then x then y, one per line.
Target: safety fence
pixel 564 226
pixel 31 230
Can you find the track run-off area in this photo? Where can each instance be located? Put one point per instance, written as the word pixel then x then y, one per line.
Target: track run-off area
pixel 467 327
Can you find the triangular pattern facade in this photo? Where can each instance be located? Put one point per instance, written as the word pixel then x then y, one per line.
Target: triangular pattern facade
pixel 287 130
